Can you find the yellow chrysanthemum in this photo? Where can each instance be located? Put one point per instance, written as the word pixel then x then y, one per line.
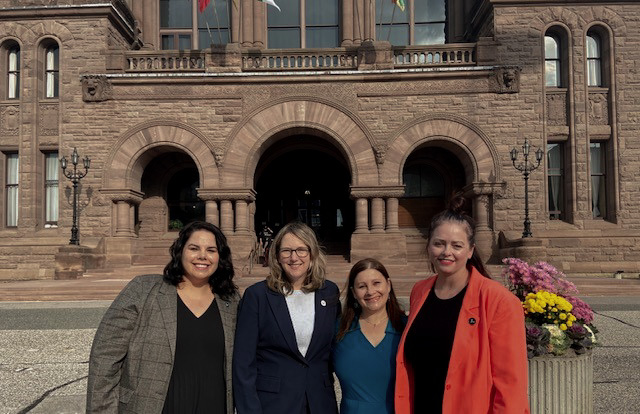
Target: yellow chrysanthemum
pixel 563 327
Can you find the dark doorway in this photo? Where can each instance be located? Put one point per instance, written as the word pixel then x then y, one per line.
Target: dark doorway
pixel 304 178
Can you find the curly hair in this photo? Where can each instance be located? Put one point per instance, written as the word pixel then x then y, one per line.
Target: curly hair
pixel 456 213
pixel 221 281
pixel 277 281
pixel 350 308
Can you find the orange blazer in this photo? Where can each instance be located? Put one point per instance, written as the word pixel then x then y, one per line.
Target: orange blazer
pixel 488 367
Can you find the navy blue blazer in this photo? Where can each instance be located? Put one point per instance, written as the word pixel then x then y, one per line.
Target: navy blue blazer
pixel 270 375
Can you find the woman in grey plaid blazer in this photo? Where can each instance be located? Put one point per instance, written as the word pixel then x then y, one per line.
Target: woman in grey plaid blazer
pixel 137 354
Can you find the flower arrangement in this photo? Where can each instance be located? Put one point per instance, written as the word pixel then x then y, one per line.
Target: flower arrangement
pixel 556 320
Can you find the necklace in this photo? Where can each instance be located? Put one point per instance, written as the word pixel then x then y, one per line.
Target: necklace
pixel 376 323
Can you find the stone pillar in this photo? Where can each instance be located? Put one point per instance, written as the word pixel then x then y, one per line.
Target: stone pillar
pixel 242 216
pixel 247 22
pixel 369 20
pixel 358 21
pixel 235 23
pixel 362 215
pixel 211 212
pixel 392 215
pixel 259 23
pixel 123 224
pixel 484 235
pixel 347 23
pixel 377 215
pixel 226 217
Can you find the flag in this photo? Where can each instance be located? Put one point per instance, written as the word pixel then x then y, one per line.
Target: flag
pixel 202 4
pixel 399 3
pixel 273 3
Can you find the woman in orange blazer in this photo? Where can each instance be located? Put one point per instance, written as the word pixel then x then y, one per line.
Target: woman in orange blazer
pixel 464 348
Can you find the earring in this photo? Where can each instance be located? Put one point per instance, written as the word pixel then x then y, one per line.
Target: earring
pixel 355 305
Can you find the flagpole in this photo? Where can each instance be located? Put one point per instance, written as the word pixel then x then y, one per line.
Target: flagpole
pixel 215 12
pixel 393 13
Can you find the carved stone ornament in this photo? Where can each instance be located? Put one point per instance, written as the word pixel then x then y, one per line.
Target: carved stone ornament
pixel 10 120
pixel 49 119
pixel 557 109
pixel 508 78
pixel 380 154
pixel 218 155
pixel 598 109
pixel 96 88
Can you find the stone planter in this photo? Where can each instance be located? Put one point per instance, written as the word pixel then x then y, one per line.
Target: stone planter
pixel 561 384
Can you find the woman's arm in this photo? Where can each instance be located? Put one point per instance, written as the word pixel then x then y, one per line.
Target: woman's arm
pixel 245 370
pixel 508 357
pixel 109 349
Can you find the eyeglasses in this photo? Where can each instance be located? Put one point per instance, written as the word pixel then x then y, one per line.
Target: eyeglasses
pixel 300 251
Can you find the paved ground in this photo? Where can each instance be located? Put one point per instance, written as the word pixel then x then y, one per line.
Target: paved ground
pixel 45 342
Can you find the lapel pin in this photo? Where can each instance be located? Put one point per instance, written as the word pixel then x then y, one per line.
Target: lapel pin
pixel 472 321
pixel 323 302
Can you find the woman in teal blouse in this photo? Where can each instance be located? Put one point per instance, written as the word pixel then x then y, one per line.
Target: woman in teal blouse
pixel 367 340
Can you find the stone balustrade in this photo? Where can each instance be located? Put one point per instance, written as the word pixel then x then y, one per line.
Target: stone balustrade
pixel 300 59
pixel 165 61
pixel 453 54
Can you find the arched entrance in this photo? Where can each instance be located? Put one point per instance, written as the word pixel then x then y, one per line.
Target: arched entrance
pixel 171 179
pixel 431 174
pixel 305 178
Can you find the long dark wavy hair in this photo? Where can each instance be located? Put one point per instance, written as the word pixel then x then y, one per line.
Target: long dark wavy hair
pixel 351 309
pixel 456 213
pixel 221 281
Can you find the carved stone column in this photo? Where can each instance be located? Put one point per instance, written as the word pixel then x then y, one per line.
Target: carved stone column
pixel 123 228
pixel 211 213
pixel 392 215
pixel 242 216
pixel 259 23
pixel 377 215
pixel 247 22
pixel 226 217
pixel 362 215
pixel 347 23
pixel 369 20
pixel 125 201
pixel 481 194
pixel 235 23
pixel 358 21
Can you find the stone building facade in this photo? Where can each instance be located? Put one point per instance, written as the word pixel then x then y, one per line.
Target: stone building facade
pixel 364 138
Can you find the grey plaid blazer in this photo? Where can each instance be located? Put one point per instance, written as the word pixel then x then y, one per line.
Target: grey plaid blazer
pixel 132 354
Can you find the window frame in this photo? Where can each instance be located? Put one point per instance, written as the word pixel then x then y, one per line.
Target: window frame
pixel 302 26
pixel 604 181
pixel 50 183
pixel 561 174
pixel 411 22
pixel 51 72
pixel 194 31
pixel 595 60
pixel 558 60
pixel 8 187
pixel 13 73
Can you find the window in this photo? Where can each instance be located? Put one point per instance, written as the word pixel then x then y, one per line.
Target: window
pixel 555 180
pixel 177 28
pixel 423 22
pixel 13 73
pixel 598 179
pixel 303 23
pixel 51 168
pixel 11 189
pixel 422 181
pixel 552 61
pixel 52 68
pixel 594 59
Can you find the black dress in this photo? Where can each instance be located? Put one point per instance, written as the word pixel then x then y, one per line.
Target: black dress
pixel 428 349
pixel 197 382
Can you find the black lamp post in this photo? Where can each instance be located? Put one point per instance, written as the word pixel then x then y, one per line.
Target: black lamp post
pixel 75 176
pixel 526 168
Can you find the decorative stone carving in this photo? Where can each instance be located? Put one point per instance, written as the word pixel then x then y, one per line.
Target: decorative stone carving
pixel 557 109
pixel 380 152
pixel 598 109
pixel 96 88
pixel 508 79
pixel 49 119
pixel 10 120
pixel 218 155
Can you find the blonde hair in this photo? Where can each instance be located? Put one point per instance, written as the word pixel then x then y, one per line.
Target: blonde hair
pixel 277 280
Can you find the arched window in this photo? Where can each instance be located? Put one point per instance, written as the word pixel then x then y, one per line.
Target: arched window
pixel 13 72
pixel 180 31
pixel 594 59
pixel 422 22
pixel 552 61
pixel 303 24
pixel 52 71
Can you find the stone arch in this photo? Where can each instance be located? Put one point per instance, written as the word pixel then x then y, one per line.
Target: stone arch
pixel 253 137
pixel 52 29
pixel 473 148
pixel 135 149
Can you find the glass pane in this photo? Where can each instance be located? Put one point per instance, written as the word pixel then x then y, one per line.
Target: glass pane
pixel 597 158
pixel 321 12
pixel 399 34
pixel 593 46
pixel 12 206
pixel 554 159
pixel 289 16
pixel 552 73
pixel 12 169
pixel 215 17
pixel 14 59
pixel 167 42
pixel 284 38
pixel 594 74
pixel 555 196
pixel 429 34
pixel 14 81
pixel 52 58
pixel 51 203
pixel 206 37
pixel 551 48
pixel 411 178
pixel 51 166
pixel 432 183
pixel 429 11
pixel 184 42
pixel 323 37
pixel 176 13
pixel 598 196
pixel 386 11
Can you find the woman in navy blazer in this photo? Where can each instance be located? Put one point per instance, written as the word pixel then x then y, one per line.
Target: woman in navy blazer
pixel 285 329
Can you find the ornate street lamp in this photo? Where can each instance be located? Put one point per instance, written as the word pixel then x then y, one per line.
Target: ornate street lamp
pixel 526 168
pixel 75 176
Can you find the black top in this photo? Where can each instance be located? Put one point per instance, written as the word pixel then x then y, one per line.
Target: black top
pixel 197 381
pixel 428 349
